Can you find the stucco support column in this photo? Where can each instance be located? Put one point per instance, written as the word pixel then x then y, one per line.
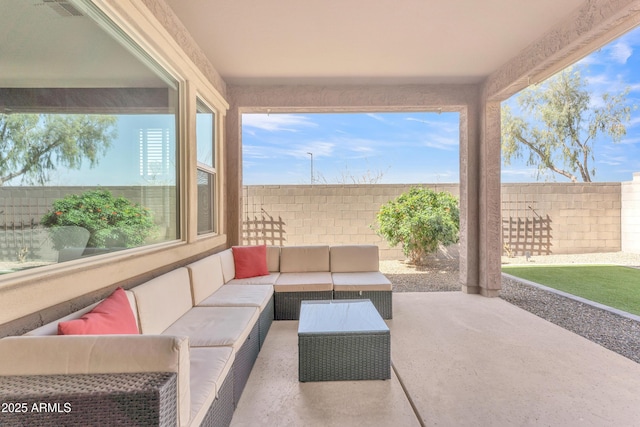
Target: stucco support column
pixel 480 220
pixel 469 191
pixel 233 175
pixel 489 211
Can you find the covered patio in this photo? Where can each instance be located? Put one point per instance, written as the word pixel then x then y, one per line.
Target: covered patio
pixel 251 56
pixel 458 360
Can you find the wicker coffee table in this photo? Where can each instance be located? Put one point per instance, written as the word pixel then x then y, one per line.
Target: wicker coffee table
pixel 342 340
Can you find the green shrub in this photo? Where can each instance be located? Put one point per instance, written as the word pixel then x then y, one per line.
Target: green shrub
pixel 110 221
pixel 420 220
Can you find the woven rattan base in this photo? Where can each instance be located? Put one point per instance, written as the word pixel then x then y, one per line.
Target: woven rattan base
pixel 243 363
pixel 134 399
pixel 382 300
pixel 221 410
pixel 344 357
pixel 341 340
pixel 265 320
pixel 287 304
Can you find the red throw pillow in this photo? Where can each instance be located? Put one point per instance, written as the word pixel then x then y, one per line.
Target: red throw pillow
pixel 111 316
pixel 250 261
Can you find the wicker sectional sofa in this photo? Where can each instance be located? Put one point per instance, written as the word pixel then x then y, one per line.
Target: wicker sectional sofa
pixel 201 330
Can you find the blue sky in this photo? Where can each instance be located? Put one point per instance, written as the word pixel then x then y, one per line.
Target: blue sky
pixel 398 147
pixel 422 147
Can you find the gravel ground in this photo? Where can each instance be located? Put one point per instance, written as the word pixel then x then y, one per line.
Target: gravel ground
pixel 610 330
pixel 435 276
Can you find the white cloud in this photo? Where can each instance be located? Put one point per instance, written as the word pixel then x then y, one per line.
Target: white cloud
pixel 413 119
pixel 631 141
pixel 299 151
pixel 377 117
pixel 620 52
pixel 441 142
pixel 603 79
pixel 318 148
pixel 362 149
pixel 634 121
pixel 517 172
pixel 256 152
pixel 277 122
pixel 612 160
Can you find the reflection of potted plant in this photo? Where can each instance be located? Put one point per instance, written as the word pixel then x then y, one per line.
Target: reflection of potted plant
pixel 110 222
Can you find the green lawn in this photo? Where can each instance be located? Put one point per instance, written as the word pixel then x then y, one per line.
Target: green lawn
pixel 611 285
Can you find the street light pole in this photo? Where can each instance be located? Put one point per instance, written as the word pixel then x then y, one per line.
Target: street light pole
pixel 311 154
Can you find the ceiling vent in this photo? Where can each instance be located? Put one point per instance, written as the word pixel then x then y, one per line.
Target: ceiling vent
pixel 63 7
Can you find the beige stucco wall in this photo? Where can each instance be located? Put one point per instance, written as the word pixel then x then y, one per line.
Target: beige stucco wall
pixel 580 218
pixel 630 215
pixel 546 218
pixel 320 214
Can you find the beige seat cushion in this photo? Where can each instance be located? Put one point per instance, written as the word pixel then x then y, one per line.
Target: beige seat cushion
pixel 269 279
pixel 304 282
pixel 100 354
pixel 206 277
pixel 209 368
pixel 239 296
pixel 367 281
pixel 216 326
pixel 163 300
pixel 354 258
pixel 299 259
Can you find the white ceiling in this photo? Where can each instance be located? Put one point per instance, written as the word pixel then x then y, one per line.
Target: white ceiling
pixel 365 41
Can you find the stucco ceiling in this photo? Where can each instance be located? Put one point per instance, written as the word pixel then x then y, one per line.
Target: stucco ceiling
pixel 364 41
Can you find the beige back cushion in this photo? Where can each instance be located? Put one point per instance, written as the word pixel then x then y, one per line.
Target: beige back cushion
pixel 100 354
pixel 354 258
pixel 273 258
pixel 228 266
pixel 163 300
pixel 301 259
pixel 206 277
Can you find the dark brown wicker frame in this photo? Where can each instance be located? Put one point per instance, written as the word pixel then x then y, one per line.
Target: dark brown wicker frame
pixel 132 399
pixel 221 410
pixel 287 304
pixel 243 363
pixel 265 320
pixel 344 357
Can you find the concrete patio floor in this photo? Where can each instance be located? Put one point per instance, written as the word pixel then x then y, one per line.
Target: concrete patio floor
pixel 458 360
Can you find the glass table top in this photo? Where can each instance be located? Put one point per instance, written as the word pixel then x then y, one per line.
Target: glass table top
pixel 340 317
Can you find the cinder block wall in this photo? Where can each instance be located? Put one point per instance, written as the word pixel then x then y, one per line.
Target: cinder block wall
pixel 630 215
pixel 539 218
pixel 563 218
pixel 331 214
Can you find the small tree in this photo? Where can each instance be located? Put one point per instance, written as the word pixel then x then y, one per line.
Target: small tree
pixel 421 220
pixel 111 221
pixel 32 145
pixel 559 125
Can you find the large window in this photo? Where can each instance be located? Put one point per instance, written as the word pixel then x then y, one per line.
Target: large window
pixel 205 138
pixel 87 137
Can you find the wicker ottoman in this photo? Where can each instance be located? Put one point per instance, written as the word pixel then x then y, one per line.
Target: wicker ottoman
pixel 133 399
pixel 341 340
